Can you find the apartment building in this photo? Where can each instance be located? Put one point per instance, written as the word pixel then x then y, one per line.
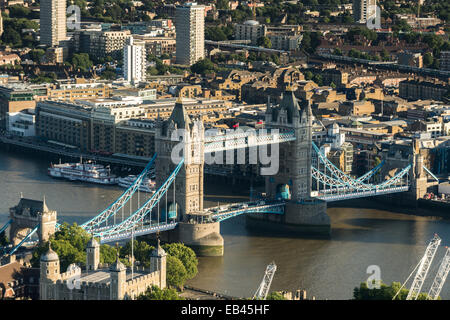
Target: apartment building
pixel 190 28
pixel 100 44
pixel 52 22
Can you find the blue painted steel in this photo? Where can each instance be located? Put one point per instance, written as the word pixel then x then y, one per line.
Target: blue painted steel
pixel 139 232
pixel 277 208
pixel 6 225
pixel 372 172
pixel 24 239
pixel 431 173
pixel 120 202
pixel 172 211
pixel 139 215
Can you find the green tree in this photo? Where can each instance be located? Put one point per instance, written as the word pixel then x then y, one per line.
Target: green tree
pixel 142 251
pixel 203 66
pixel 70 242
pixel 222 4
pixel 36 55
pixel 12 37
pixel 81 61
pixel 3 239
pixel 186 255
pixel 176 272
pixel 384 292
pixel 264 42
pixel 428 59
pixel 275 296
pixel 155 293
pixel 108 74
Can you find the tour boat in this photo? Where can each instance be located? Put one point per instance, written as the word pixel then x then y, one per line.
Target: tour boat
pixel 86 172
pixel 147 184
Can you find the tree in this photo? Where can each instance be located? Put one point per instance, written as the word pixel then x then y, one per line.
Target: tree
pixel 385 292
pixel 222 4
pixel 186 255
pixel 264 42
pixel 176 272
pixel 36 55
pixel 12 37
pixel 108 74
pixel 142 251
pixel 155 293
pixel 3 239
pixel 81 61
pixel 203 66
pixel 70 242
pixel 275 296
pixel 428 59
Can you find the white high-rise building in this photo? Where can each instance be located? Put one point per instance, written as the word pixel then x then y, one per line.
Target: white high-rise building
pixel 363 10
pixel 190 27
pixel 52 22
pixel 134 61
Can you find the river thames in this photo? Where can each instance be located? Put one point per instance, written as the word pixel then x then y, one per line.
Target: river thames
pixel 325 268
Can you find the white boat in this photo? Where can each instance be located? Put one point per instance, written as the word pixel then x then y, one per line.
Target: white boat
pixel 86 172
pixel 147 184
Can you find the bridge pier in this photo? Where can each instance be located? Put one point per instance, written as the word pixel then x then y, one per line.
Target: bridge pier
pixel 204 238
pixel 308 217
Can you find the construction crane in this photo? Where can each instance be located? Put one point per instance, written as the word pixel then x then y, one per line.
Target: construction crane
pixel 424 267
pixel 264 287
pixel 440 278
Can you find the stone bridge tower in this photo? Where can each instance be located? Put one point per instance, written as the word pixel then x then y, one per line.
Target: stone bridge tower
pixel 295 156
pixel 303 214
pixel 181 137
pixel 204 236
pixel 27 215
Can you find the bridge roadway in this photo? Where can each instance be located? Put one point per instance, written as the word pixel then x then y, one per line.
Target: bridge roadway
pixel 329 196
pixel 213 214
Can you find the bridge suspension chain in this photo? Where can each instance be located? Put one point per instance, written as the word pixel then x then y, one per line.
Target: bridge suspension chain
pixel 143 211
pixel 120 202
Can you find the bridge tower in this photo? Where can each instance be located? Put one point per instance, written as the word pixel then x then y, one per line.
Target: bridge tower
pixel 176 138
pixel 419 182
pixel 27 215
pixel 180 137
pixel 295 156
pixel 303 214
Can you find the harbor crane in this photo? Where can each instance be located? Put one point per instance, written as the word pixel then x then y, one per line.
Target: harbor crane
pixel 422 270
pixel 264 287
pixel 424 267
pixel 440 278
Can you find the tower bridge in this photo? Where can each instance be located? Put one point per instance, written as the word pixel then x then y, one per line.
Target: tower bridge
pixel 297 191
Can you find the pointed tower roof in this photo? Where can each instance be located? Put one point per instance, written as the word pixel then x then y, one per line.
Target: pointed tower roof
pixel 179 115
pixel 117 266
pixel 44 205
pixel 158 251
pixel 93 243
pixel 290 103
